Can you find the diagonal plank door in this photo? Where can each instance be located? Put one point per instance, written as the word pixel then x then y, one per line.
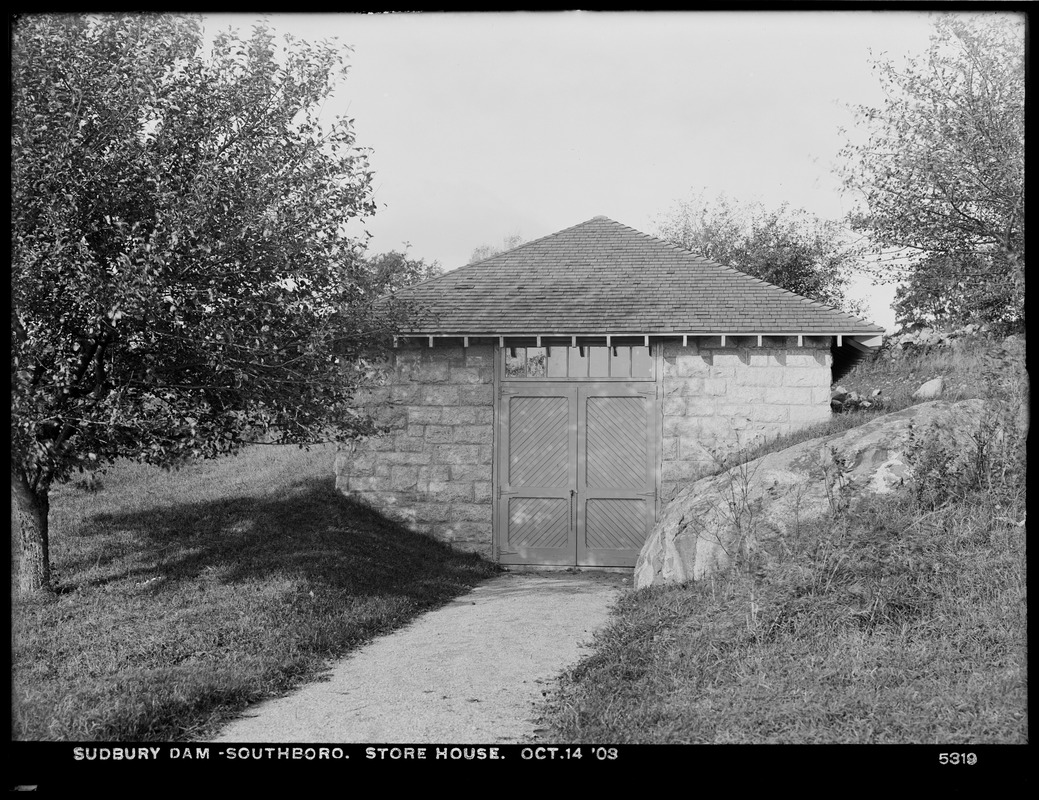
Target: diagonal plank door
pixel 537 475
pixel 577 479
pixel 616 478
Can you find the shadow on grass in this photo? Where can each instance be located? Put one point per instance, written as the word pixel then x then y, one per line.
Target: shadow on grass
pixel 306 531
pixel 173 618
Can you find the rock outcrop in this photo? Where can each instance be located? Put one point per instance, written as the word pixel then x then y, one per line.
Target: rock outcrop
pixel 708 522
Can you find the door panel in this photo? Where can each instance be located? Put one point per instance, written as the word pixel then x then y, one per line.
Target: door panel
pixel 615 441
pixel 538 523
pixel 538 441
pixel 615 524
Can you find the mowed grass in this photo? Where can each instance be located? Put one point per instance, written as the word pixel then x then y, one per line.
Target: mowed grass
pixel 901 621
pixel 183 596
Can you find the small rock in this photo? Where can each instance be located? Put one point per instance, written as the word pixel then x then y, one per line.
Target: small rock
pixel 930 390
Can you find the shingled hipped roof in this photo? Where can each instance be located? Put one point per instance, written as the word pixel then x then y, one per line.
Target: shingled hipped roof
pixel 601 277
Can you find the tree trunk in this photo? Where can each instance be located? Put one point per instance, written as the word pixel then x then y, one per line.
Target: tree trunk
pixel 32 508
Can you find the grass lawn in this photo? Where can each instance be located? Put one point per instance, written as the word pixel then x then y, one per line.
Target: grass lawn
pixel 183 596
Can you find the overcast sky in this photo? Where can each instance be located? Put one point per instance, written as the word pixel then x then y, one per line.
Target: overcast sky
pixel 488 125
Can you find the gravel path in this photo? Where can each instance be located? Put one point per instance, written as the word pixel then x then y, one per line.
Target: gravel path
pixel 469 672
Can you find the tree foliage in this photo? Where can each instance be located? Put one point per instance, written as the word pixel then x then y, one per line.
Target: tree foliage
pixel 487 250
pixel 942 172
pixel 951 290
pixel 789 248
pixel 181 276
pixel 391 271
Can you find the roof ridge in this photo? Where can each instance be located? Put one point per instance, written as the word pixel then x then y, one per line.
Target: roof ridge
pixel 539 239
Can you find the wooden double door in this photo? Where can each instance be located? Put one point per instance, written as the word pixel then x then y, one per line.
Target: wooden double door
pixel 577 475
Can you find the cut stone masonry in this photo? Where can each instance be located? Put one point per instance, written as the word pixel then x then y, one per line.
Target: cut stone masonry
pixel 717 399
pixel 431 469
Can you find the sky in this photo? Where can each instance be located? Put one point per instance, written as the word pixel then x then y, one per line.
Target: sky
pixel 484 126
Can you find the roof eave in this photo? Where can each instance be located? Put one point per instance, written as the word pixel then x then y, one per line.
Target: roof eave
pixel 865 341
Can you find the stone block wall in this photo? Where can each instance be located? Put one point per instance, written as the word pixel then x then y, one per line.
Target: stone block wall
pixel 432 468
pixel 718 399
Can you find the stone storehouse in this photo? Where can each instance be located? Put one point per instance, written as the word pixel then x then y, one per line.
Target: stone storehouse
pixel 559 394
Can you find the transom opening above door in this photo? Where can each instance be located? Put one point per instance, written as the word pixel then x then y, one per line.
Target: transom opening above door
pixel 563 362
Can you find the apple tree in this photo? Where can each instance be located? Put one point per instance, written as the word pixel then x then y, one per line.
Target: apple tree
pixel 182 278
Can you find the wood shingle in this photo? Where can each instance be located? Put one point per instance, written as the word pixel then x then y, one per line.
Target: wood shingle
pixel 603 277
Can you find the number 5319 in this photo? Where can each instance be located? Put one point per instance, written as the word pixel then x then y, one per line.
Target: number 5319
pixel 957 758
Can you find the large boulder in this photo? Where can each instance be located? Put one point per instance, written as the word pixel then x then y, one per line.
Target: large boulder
pixel 711 520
